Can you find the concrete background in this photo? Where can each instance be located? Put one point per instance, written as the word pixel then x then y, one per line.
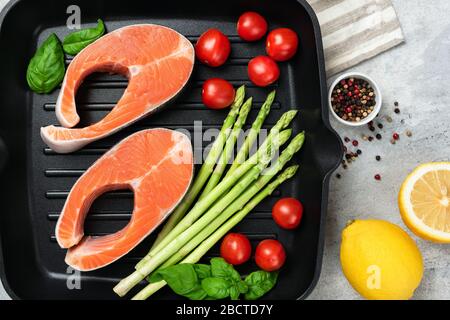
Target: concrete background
pixel 416 74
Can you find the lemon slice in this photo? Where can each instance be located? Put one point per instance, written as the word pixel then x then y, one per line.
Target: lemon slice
pixel 424 201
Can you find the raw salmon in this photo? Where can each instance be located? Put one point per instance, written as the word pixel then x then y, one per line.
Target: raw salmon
pixel 158 62
pixel 156 164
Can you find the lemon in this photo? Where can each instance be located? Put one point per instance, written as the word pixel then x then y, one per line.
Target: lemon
pixel 380 260
pixel 424 201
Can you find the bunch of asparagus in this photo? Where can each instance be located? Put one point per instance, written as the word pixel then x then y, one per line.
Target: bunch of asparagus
pixel 193 229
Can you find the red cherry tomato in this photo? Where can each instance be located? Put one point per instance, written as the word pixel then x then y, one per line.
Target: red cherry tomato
pixel 287 213
pixel 251 26
pixel 263 71
pixel 281 44
pixel 235 248
pixel 270 255
pixel 213 48
pixel 217 93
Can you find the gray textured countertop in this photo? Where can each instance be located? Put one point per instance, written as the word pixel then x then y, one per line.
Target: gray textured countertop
pixel 416 75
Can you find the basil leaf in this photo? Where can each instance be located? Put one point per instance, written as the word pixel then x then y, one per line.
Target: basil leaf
pixel 220 268
pixel 181 278
pixel 203 271
pixel 218 288
pixel 46 69
pixel 259 283
pixel 234 293
pixel 197 293
pixel 155 277
pixel 78 40
pixel 242 286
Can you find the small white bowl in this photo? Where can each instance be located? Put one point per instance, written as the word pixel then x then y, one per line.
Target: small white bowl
pixel 378 98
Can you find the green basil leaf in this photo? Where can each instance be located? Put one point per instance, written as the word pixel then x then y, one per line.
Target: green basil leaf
pixel 203 271
pixel 242 286
pixel 155 277
pixel 46 69
pixel 78 40
pixel 217 288
pixel 220 268
pixel 234 293
pixel 259 283
pixel 181 278
pixel 197 293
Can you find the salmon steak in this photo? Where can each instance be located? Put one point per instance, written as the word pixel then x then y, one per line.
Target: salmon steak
pixel 156 164
pixel 158 62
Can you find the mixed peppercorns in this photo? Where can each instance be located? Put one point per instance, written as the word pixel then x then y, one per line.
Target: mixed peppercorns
pixel 352 148
pixel 353 99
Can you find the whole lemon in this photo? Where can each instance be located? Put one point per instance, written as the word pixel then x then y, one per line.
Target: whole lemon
pixel 380 260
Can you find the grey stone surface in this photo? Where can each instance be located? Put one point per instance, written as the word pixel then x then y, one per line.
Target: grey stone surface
pixel 416 75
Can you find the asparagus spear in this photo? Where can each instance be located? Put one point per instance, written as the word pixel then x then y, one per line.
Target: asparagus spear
pixel 272 142
pixel 206 168
pixel 253 134
pixel 228 150
pixel 206 245
pixel 189 231
pixel 284 121
pixel 237 205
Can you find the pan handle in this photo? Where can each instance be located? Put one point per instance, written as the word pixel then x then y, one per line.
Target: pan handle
pixel 329 150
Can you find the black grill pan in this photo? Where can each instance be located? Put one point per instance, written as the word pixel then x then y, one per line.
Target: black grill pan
pixel 35 180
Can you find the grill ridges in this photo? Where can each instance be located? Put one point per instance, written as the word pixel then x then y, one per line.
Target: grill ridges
pixel 100 147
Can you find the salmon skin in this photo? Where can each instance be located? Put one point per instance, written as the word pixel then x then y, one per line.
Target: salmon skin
pixel 156 164
pixel 158 62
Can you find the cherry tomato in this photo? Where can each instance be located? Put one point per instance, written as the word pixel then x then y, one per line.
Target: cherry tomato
pixel 251 26
pixel 217 93
pixel 213 48
pixel 235 248
pixel 281 44
pixel 263 71
pixel 287 213
pixel 270 255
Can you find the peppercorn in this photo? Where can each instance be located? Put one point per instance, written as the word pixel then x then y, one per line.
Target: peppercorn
pixel 408 133
pixel 377 177
pixel 355 143
pixel 378 158
pixel 346 139
pixel 338 176
pixel 396 103
pixel 378 136
pixel 395 136
pixel 380 126
pixel 370 138
pixel 353 100
pixel 397 110
pixel 358 151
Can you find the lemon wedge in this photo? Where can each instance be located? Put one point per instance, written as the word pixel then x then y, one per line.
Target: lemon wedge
pixel 424 201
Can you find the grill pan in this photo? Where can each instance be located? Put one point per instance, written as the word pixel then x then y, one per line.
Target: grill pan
pixel 35 181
